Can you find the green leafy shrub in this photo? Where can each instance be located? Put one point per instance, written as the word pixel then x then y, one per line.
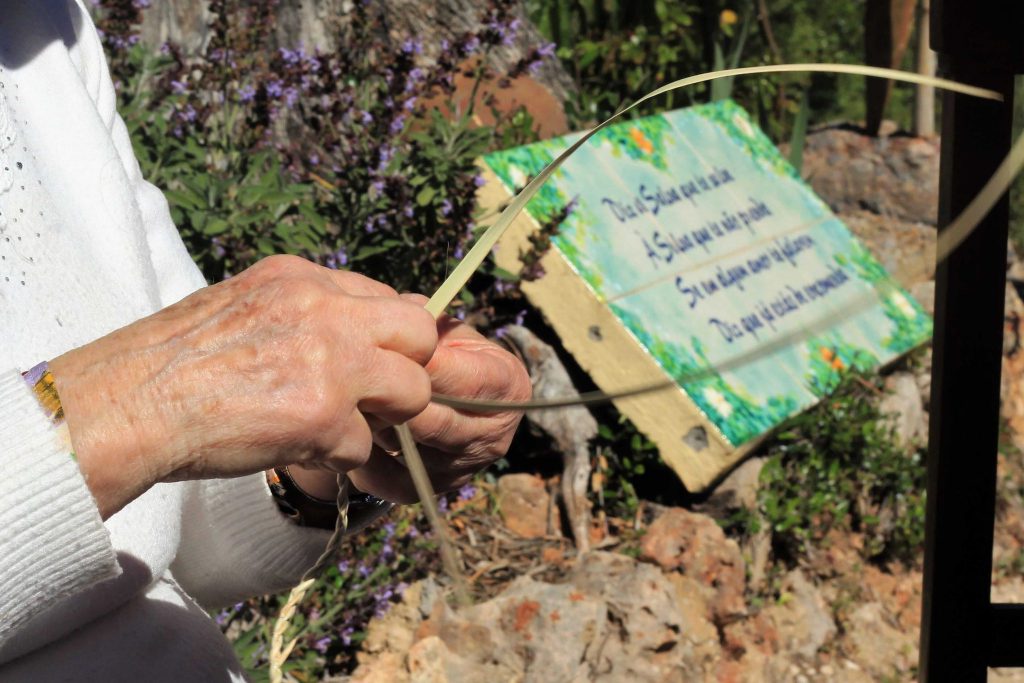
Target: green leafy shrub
pixel 837 466
pixel 337 156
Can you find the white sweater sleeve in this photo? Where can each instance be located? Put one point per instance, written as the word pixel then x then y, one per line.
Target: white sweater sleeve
pixel 53 544
pixel 235 541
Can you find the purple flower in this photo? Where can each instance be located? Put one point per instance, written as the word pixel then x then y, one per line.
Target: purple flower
pixel 364 571
pixel 337 260
pixel 446 207
pixel 275 88
pixel 401 588
pixel 397 125
pixel 179 87
pixel 458 253
pixel 377 186
pixel 386 550
pixel 247 93
pixel 407 211
pixel 468 491
pixel 343 566
pixel 472 44
pixel 189 113
pixel 289 56
pixel 141 4
pixel 501 331
pixel 413 532
pixel 321 644
pixel 520 317
pixel 389 530
pixel 479 181
pixel 442 502
pixel 546 50
pixel 314 159
pixel 412 47
pixel 445 45
pixel 346 635
pixel 366 118
pixel 222 617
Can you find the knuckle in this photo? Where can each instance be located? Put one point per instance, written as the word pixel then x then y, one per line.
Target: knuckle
pixel 419 392
pixel 280 264
pixel 299 295
pixel 367 286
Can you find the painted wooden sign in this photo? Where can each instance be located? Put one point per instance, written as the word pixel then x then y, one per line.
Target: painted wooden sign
pixel 686 242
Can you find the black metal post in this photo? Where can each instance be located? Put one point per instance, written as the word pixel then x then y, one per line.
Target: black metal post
pixel 956 624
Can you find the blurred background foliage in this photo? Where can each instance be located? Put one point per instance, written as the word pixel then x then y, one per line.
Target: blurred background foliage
pixel 616 51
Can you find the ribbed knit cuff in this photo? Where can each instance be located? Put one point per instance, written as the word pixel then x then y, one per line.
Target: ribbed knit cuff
pixel 243 545
pixel 279 548
pixel 53 543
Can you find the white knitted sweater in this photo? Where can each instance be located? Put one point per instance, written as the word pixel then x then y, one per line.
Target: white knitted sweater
pixel 86 247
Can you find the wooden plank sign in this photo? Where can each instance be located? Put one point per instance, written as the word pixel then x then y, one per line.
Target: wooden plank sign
pixel 685 241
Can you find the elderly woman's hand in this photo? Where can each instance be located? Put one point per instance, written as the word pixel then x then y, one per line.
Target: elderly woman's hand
pixel 284 363
pixel 454 444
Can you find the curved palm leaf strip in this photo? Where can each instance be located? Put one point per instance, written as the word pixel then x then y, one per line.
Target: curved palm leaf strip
pixel 855 305
pixel 952 237
pixel 963 225
pixel 472 261
pixel 469 265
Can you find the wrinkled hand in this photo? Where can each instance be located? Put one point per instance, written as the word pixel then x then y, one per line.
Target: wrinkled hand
pixel 454 444
pixel 286 363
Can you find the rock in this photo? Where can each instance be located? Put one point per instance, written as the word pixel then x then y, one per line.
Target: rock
pixel 1012 378
pixel 655 640
pixel 614 619
pixel 694 612
pixel 695 544
pixel 906 249
pixel 526 505
pixel 904 411
pixel 880 649
pixel 738 490
pixel 924 293
pixel 894 176
pixel 384 667
pixel 802 618
pixel 430 661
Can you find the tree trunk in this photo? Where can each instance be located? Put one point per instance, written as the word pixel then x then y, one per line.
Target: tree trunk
pixel 887 26
pixel 924 103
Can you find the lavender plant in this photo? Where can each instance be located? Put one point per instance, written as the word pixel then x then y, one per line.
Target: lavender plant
pixel 337 156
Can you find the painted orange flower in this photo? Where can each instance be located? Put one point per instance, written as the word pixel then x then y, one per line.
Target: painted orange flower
pixel 837 364
pixel 826 353
pixel 641 141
